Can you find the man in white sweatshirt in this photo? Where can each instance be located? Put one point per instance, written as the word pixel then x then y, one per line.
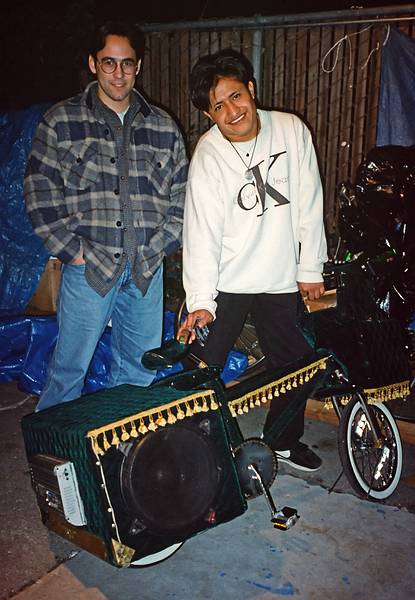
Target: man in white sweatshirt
pixel 253 237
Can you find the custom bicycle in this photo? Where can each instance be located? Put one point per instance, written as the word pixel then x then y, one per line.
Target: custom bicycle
pixel 130 473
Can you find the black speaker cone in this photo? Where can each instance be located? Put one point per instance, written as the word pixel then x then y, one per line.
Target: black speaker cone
pixel 170 478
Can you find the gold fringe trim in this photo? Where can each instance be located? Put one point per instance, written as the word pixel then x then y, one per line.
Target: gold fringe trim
pixel 260 396
pixel 375 395
pixel 132 426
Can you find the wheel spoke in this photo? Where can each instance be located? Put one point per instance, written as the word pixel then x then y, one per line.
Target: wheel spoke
pixel 373 469
pixel 376 466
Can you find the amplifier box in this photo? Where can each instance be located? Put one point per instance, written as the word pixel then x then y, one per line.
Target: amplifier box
pixel 56 487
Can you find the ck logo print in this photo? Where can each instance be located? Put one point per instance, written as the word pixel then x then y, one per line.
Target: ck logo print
pixel 254 193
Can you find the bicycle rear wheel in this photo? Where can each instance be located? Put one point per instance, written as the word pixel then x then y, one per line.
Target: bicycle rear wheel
pixel 373 470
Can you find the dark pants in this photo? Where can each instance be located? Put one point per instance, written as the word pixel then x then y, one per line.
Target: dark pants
pixel 275 317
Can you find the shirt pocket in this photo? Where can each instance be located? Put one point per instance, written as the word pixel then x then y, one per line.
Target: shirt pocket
pixel 155 170
pixel 80 165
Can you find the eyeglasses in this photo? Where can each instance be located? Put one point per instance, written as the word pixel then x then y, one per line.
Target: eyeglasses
pixel 108 65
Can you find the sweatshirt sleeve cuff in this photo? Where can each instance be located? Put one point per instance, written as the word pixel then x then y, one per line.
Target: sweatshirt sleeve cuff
pixel 193 304
pixel 310 276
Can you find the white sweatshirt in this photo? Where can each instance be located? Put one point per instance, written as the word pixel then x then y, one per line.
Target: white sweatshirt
pixel 242 236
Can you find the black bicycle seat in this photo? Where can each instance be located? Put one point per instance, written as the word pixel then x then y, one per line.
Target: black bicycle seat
pixel 165 356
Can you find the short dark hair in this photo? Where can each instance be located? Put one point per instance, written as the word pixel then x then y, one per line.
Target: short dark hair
pixel 134 35
pixel 209 69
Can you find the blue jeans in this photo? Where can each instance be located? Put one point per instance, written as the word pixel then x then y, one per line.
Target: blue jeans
pixel 83 314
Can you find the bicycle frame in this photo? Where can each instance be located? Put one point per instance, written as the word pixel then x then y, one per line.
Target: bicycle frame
pixel 334 393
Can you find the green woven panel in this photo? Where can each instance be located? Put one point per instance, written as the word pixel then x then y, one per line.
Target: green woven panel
pixel 95 410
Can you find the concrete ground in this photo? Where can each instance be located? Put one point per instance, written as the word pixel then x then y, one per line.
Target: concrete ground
pixel 342 546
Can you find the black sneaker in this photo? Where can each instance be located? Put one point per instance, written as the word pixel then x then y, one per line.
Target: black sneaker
pixel 300 457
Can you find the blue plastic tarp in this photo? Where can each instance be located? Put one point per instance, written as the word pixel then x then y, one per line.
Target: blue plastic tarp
pixel 396 123
pixel 22 254
pixel 27 343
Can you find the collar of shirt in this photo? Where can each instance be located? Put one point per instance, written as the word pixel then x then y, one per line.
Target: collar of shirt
pixel 137 102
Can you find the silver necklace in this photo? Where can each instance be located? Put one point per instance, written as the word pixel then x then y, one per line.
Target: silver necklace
pixel 248 173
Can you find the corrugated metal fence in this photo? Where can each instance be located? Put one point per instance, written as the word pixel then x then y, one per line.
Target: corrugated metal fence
pixel 323 66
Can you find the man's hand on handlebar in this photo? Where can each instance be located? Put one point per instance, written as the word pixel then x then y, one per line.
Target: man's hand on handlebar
pixel 199 318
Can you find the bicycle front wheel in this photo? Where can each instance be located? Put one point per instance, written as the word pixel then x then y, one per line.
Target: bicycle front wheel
pixel 373 469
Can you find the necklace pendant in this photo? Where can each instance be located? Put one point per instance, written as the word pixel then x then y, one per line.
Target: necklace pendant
pixel 248 175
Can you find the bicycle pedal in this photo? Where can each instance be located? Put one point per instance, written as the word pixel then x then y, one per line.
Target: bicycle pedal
pixel 285 518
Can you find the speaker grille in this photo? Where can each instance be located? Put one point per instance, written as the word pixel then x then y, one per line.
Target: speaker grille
pixel 170 478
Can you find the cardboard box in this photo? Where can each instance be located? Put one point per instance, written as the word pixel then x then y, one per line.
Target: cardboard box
pixel 44 300
pixel 328 300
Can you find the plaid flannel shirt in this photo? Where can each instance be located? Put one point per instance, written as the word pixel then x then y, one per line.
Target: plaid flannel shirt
pixel 114 191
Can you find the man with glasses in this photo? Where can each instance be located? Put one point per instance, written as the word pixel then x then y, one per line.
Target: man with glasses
pixel 104 190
